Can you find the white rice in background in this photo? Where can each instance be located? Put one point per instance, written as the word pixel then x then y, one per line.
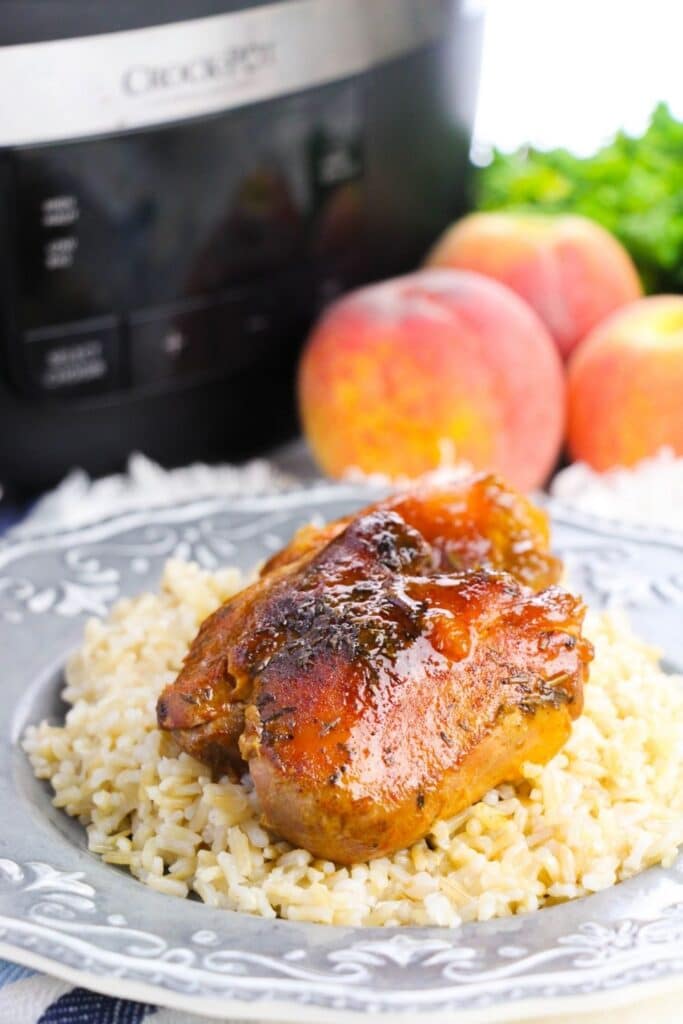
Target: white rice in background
pixel 607 806
pixel 649 494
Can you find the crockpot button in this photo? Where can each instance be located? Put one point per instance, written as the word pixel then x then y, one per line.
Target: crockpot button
pixel 168 346
pixel 73 359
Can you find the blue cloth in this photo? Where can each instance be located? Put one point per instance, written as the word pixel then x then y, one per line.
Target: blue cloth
pixel 79 1006
pixel 28 997
pixel 12 972
pixel 10 514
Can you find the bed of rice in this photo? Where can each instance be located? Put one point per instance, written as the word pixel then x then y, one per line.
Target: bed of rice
pixel 607 806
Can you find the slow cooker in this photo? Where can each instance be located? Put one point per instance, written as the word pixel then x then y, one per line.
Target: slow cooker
pixel 184 185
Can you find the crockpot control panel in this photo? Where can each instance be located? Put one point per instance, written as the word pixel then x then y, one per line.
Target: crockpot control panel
pixel 148 260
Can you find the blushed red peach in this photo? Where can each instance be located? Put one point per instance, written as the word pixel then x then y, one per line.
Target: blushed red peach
pixel 626 385
pixel 569 269
pixel 396 372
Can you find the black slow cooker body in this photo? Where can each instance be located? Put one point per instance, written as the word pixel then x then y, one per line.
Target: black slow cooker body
pixel 168 235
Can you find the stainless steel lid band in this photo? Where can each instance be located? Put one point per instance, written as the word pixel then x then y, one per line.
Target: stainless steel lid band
pixel 94 85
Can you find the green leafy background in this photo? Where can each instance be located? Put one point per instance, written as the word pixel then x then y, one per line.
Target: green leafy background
pixel 633 186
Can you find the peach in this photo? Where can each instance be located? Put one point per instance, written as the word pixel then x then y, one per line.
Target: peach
pixel 569 269
pixel 396 373
pixel 626 385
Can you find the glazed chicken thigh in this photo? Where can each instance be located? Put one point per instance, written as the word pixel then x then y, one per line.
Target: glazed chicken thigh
pixel 479 524
pixel 388 669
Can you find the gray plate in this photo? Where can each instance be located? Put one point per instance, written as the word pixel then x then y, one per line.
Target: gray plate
pixel 64 911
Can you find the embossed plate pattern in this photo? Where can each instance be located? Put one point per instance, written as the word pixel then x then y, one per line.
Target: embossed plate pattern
pixel 64 911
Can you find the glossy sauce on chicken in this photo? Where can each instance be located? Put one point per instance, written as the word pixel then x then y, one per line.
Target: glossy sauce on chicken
pixel 369 690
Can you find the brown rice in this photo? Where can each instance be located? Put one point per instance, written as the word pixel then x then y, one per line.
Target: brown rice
pixel 607 806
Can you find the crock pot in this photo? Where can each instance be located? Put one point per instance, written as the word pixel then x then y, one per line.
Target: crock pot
pixel 184 185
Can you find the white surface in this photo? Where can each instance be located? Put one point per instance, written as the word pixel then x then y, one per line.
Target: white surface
pixel 78 499
pixel 572 72
pixel 648 494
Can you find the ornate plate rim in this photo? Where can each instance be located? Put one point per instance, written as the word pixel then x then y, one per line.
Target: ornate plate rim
pixel 527 1010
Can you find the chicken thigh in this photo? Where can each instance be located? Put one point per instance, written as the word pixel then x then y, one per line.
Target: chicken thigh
pixel 479 523
pixel 387 670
